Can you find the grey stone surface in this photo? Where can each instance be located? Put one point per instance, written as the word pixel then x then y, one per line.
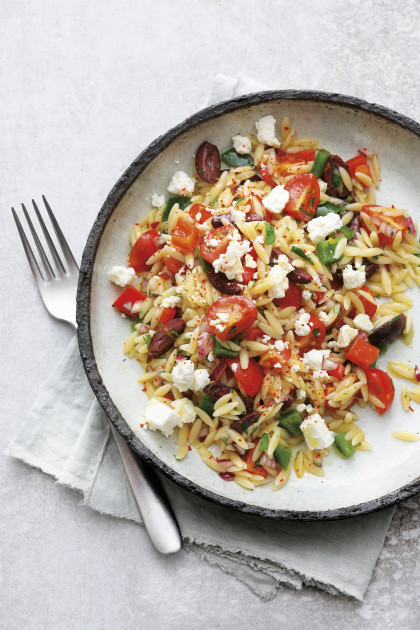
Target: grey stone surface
pixel 85 86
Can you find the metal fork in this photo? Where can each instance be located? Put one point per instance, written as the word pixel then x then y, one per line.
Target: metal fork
pixel 58 287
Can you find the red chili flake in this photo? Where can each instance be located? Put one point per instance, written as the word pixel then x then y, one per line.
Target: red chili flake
pixel 144 389
pixel 189 448
pixel 154 224
pixel 287 128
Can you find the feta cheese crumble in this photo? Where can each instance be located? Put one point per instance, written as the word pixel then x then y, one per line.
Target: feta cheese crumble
pixel 320 227
pixel 322 185
pixel 324 317
pixel 170 301
pixel 122 276
pixel 276 199
pixel 160 417
pixel 316 433
pixel 183 375
pixel 250 262
pixel 219 321
pixel 201 378
pixel 181 184
pixel 278 273
pixel 362 322
pixel 306 294
pixel 320 374
pixel 185 410
pixel 354 278
pixel 158 201
pixel 230 262
pixel 241 144
pixel 301 325
pixel 266 131
pixel 346 335
pixel 300 394
pixel 314 358
pixel 281 345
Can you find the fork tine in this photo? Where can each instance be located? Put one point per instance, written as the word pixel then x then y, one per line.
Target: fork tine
pixel 61 239
pixel 46 263
pixel 60 267
pixel 28 251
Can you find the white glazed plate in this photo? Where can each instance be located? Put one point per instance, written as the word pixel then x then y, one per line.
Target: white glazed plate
pixel 370 480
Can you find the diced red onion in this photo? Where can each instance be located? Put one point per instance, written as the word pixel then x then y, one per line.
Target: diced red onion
pixel 204 345
pixel 218 371
pixel 225 463
pixel 203 434
pixel 239 449
pixel 143 329
pixel 265 460
pixel 411 225
pixel 154 224
pixel 328 364
pixel 417 373
pixel 204 327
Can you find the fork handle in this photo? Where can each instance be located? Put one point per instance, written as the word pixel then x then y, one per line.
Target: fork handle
pixel 151 499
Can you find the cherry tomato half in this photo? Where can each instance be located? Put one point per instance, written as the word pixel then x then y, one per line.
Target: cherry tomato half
pixel 127 299
pixel 362 354
pixel 275 360
pixel 254 333
pixel 199 213
pixel 387 227
pixel 248 273
pixel 173 264
pixel 250 465
pixel 239 313
pixel 292 297
pixel 315 337
pixel 216 243
pixel 265 174
pixel 380 385
pixel 250 379
pixel 185 235
pixel 168 314
pixel 304 196
pixel 284 162
pixel 358 164
pixel 145 246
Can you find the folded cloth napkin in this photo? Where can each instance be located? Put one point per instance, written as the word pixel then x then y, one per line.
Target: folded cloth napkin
pixel 67 435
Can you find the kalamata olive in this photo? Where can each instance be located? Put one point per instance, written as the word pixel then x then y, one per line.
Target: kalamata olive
pixel 338 277
pixel 217 390
pixel 207 162
pixel 290 400
pixel 236 426
pixel 222 283
pixel 255 178
pixel 217 221
pixel 251 417
pixel 300 276
pixel 164 339
pixel 388 332
pixel 218 370
pixel 370 269
pixel 331 169
pixel 275 253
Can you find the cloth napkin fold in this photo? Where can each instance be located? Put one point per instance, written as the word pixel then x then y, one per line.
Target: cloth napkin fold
pixel 67 435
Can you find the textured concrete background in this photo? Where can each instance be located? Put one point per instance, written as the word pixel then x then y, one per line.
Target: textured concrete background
pixel 84 87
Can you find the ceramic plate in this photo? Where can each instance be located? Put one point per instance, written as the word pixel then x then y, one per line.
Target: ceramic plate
pixel 388 473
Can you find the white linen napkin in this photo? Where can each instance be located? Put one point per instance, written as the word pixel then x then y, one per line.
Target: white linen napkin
pixel 67 435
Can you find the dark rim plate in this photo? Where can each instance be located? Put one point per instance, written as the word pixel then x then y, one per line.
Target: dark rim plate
pixel 83 298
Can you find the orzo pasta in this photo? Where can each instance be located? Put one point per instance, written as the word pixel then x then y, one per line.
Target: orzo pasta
pixel 261 296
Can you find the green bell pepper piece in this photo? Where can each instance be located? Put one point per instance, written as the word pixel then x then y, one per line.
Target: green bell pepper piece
pixel 291 421
pixel 321 159
pixel 343 445
pixel 347 232
pixel 264 442
pixel 326 251
pixel 282 456
pixel 206 266
pixel 182 201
